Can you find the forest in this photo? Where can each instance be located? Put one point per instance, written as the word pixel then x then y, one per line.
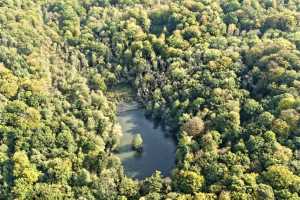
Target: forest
pixel 222 75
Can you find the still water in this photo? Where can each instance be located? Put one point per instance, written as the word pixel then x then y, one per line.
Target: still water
pixel 158 149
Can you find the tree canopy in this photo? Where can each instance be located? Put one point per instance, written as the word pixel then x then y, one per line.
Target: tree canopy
pixel 222 75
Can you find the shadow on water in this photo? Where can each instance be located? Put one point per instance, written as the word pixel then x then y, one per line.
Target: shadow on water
pixel 125 148
pixel 158 149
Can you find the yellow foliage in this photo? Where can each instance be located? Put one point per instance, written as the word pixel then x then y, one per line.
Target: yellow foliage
pixel 23 168
pixel 37 86
pixel 8 82
pixel 280 127
pixel 287 102
pixel 282 154
pixel 30 119
pixel 184 197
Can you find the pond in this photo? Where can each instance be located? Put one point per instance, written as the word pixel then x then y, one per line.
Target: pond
pixel 158 149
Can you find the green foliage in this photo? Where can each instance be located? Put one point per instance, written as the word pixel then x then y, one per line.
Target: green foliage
pixel 283 21
pixel 188 182
pixel 129 188
pixel 279 177
pixel 137 142
pixel 264 192
pixel 153 184
pixel 223 76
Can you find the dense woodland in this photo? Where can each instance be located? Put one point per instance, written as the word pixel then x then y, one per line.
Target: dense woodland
pixel 222 75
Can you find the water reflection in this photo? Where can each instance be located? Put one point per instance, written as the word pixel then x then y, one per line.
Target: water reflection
pixel 158 150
